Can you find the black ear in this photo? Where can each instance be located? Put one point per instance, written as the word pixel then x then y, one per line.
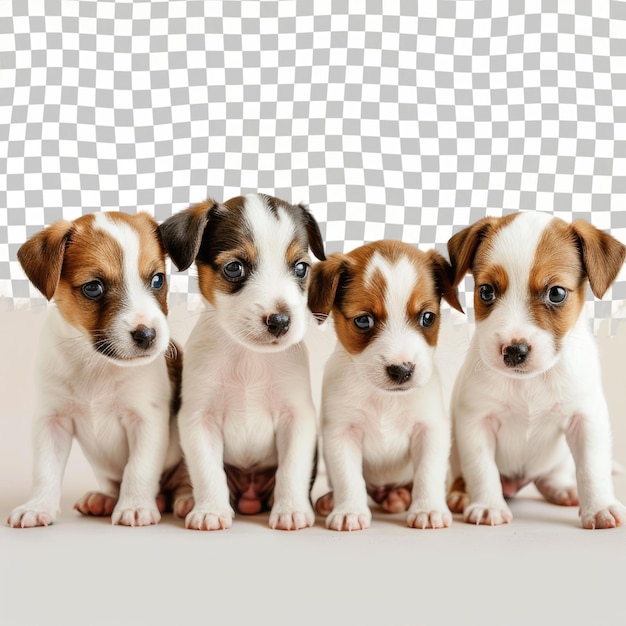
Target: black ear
pixel 41 257
pixel 182 233
pixel 316 243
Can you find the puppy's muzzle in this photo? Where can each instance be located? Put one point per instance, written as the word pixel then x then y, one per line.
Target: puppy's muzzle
pixel 277 324
pixel 143 336
pixel 515 353
pixel 401 373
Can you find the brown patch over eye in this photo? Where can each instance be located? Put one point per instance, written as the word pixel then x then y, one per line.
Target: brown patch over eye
pixel 423 308
pixel 557 263
pixel 151 257
pixel 298 253
pixel 487 279
pixel 91 257
pixel 359 297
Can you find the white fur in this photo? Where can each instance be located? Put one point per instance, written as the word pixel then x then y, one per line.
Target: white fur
pixel 242 315
pixel 246 397
pixel 120 416
pixel 139 306
pixel 374 435
pixel 551 424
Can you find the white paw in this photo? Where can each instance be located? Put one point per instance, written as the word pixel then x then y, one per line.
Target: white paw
pixel 202 519
pixel 291 518
pixel 27 516
pixel 136 515
pixel 494 515
pixel 610 517
pixel 433 518
pixel 349 520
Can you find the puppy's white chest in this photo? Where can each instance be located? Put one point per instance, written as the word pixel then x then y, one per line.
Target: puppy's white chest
pixel 248 402
pixel 530 430
pixel 248 413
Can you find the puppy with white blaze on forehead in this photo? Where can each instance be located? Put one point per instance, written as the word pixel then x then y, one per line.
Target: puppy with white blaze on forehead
pixel 384 427
pixel 107 373
pixel 528 404
pixel 247 421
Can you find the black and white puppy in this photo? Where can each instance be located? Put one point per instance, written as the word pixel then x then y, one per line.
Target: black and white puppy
pixel 247 421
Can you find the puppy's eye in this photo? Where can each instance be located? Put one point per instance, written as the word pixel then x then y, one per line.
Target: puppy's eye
pixel 301 269
pixel 93 290
pixel 364 322
pixel 234 270
pixel 158 280
pixel 486 293
pixel 427 319
pixel 557 295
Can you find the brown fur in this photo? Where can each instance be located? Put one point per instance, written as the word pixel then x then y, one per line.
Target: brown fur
pixel 485 274
pixel 602 256
pixel 557 263
pixel 66 255
pixel 463 245
pixel 340 284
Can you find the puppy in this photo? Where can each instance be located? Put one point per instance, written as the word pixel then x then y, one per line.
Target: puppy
pixel 247 422
pixel 527 404
pixel 384 428
pixel 102 375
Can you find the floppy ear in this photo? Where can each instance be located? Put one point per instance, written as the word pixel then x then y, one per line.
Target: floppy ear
pixel 462 247
pixel 602 255
pixel 182 233
pixel 42 255
pixel 316 243
pixel 442 271
pixel 325 277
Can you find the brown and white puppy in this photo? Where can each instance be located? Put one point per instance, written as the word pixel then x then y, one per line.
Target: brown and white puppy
pixel 107 373
pixel 528 404
pixel 384 427
pixel 247 421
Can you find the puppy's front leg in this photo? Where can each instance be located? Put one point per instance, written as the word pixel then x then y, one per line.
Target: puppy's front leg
pixel 203 446
pixel 52 442
pixel 296 439
pixel 430 446
pixel 476 440
pixel 147 431
pixel 344 461
pixel 589 438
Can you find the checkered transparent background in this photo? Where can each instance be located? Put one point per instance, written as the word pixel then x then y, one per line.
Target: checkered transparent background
pixel 390 118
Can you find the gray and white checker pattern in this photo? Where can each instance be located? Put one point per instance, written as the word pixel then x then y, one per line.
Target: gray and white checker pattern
pixel 390 118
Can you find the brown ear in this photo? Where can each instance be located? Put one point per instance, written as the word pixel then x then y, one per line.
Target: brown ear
pixel 462 247
pixel 442 271
pixel 325 277
pixel 182 233
pixel 42 255
pixel 316 243
pixel 602 256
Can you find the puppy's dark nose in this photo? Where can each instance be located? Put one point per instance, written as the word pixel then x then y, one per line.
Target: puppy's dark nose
pixel 515 353
pixel 400 374
pixel 143 336
pixel 277 324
